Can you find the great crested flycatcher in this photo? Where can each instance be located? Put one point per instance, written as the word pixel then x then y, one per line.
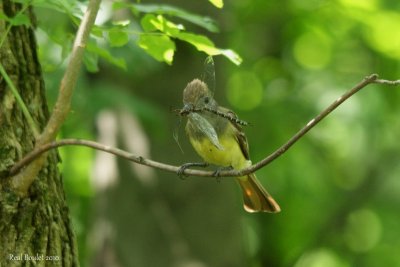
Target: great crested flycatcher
pixel 221 141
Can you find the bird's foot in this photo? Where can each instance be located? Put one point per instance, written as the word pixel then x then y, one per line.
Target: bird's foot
pixel 183 167
pixel 220 169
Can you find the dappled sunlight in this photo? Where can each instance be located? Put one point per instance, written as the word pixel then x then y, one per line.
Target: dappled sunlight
pixel 363 230
pixel 244 90
pixel 312 50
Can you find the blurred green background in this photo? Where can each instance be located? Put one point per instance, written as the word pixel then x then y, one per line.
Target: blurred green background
pixel 338 187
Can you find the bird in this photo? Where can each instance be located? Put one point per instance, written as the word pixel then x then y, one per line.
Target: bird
pixel 218 139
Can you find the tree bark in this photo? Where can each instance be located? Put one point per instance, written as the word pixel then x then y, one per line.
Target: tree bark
pixel 34 230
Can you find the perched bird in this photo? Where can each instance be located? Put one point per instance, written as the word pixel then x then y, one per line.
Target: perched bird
pixel 219 139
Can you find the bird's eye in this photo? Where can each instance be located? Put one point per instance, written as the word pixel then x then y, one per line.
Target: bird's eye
pixel 206 99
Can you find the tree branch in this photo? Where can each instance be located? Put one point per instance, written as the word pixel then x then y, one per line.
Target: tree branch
pixel 118 152
pixel 367 80
pixel 233 173
pixel 68 82
pixel 23 180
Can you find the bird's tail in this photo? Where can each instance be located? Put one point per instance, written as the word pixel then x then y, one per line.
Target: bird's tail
pixel 255 197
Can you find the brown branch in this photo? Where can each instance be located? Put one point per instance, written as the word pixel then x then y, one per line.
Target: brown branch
pixel 67 86
pixel 118 152
pixel 367 80
pixel 381 81
pixel 140 160
pixel 23 180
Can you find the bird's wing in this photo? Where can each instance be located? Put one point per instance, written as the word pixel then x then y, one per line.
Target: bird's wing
pixel 238 132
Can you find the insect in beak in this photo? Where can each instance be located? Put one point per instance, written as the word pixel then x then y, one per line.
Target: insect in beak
pixel 187 108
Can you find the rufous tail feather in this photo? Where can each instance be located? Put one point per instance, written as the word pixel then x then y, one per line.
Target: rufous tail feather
pixel 255 197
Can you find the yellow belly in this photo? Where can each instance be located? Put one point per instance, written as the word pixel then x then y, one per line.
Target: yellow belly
pixel 231 155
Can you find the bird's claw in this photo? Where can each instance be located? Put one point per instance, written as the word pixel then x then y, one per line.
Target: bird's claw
pixel 182 168
pixel 220 169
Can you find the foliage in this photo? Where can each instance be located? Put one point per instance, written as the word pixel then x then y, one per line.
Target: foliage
pixel 157 35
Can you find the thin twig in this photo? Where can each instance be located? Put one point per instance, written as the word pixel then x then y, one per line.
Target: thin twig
pixel 367 80
pixel 10 25
pixel 24 179
pixel 381 81
pixel 13 88
pixel 33 126
pixel 233 173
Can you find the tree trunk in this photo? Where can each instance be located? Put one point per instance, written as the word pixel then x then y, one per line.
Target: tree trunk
pixel 34 230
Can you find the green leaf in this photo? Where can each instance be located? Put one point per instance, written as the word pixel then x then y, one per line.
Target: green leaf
pixel 94 48
pixel 151 23
pixel 67 46
pixel 202 43
pixel 232 56
pixel 118 37
pixel 117 5
pixel 91 61
pixel 202 21
pixel 68 7
pixel 97 31
pixel 24 2
pixel 161 47
pixel 122 23
pixel 217 3
pixel 3 16
pixel 20 19
pixel 147 23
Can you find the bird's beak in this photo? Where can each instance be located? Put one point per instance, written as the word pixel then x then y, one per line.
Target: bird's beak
pixel 187 108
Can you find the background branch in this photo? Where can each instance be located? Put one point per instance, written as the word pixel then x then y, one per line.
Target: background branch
pixel 373 78
pixel 24 179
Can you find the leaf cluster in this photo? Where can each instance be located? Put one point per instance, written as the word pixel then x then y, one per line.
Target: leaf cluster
pixel 150 27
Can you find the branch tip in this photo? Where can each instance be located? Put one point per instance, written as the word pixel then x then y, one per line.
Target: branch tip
pixel 373 78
